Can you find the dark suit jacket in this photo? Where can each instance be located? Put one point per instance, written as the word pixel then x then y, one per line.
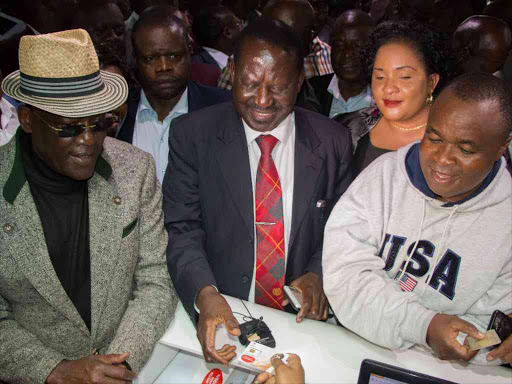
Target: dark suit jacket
pixel 320 85
pixel 204 57
pixel 199 96
pixel 208 199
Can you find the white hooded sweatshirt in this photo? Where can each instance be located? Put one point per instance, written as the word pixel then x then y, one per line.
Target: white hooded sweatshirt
pixel 457 257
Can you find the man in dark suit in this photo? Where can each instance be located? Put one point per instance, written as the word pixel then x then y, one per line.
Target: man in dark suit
pixel 216 30
pixel 163 65
pixel 249 187
pixel 346 90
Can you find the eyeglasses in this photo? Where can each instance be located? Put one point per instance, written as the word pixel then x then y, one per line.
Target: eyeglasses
pixel 72 130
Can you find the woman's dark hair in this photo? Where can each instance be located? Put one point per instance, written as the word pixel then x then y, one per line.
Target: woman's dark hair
pixel 431 47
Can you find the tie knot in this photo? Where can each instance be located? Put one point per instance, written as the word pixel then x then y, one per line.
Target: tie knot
pixel 266 143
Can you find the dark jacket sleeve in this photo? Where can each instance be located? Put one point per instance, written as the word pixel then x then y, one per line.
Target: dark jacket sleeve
pixel 342 147
pixel 186 253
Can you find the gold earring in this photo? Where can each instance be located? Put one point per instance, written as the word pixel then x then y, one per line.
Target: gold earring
pixel 430 100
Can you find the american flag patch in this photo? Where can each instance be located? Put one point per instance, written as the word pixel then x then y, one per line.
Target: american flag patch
pixel 407 283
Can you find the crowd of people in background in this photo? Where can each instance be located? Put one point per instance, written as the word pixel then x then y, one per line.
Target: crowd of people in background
pixel 358 151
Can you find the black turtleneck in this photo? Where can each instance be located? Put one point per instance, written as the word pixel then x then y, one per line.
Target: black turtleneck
pixel 63 207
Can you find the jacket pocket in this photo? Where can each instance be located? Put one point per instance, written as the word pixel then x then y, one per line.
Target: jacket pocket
pixel 130 227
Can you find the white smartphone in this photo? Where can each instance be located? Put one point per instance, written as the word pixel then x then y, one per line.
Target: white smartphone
pixel 294 296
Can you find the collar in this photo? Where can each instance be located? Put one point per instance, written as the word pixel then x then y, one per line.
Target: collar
pixel 17 178
pixel 282 132
pixel 130 22
pixel 33 29
pixel 412 165
pixel 334 90
pixel 7 109
pixel 220 57
pixel 317 45
pixel 144 105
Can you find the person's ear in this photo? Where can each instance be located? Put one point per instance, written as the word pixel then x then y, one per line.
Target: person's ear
pixel 504 147
pixel 433 81
pixel 227 32
pixel 300 80
pixel 26 118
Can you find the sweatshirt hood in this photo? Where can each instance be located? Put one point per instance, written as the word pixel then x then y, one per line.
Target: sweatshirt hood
pixel 485 195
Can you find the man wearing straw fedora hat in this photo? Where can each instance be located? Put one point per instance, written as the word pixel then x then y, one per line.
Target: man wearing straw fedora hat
pixel 84 289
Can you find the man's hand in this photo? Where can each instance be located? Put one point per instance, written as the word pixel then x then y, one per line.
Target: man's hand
pixel 442 337
pixel 215 310
pixel 92 370
pixel 504 351
pixel 314 302
pixel 290 373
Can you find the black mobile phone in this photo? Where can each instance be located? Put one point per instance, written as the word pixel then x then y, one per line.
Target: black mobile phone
pixel 502 324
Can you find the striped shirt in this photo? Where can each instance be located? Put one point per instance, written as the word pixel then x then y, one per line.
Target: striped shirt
pixel 317 63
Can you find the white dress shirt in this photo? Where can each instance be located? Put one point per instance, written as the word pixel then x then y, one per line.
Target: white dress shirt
pixel 283 155
pixel 152 135
pixel 130 22
pixel 355 103
pixel 8 122
pixel 220 57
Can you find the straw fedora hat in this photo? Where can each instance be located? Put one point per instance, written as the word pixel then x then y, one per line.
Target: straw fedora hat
pixel 59 73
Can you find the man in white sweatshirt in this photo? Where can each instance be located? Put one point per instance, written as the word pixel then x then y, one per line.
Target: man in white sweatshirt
pixel 419 248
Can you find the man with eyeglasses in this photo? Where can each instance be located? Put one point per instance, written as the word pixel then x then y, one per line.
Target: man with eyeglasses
pixel 84 289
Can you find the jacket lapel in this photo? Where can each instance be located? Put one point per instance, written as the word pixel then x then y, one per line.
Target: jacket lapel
pixel 233 160
pixel 27 243
pixel 105 231
pixel 308 166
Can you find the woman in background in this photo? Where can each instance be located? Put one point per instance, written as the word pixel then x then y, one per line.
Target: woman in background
pixel 407 64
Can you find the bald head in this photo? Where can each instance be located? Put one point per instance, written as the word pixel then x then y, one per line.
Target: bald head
pixel 140 6
pixel 298 15
pixel 501 9
pixel 353 18
pixel 351 32
pixel 482 44
pixel 484 88
pixel 163 16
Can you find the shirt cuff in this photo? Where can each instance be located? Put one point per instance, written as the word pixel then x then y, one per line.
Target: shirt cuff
pixel 195 299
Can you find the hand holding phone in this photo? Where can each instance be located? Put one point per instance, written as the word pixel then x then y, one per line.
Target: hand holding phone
pixel 503 326
pixel 294 296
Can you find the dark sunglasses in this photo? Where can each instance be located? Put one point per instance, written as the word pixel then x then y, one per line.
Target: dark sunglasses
pixel 72 130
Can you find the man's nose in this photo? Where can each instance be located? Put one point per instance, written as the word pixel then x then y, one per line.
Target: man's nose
pixel 444 155
pixel 87 137
pixel 163 64
pixel 263 97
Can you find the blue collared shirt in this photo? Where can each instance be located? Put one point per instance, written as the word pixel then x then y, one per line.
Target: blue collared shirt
pixel 339 105
pixel 152 135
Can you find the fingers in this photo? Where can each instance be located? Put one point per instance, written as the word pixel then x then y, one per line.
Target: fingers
pixel 470 329
pixel 121 374
pixel 231 323
pixel 262 378
pixel 285 302
pixel 113 358
pixel 323 312
pixel 209 351
pixel 504 351
pixel 460 352
pixel 305 305
pixel 293 360
pixel 227 352
pixel 276 362
pixel 314 311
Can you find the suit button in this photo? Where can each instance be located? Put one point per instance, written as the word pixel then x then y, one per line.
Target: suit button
pixel 117 200
pixel 8 228
pixel 245 279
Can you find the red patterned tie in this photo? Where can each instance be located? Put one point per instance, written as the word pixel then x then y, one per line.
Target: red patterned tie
pixel 270 261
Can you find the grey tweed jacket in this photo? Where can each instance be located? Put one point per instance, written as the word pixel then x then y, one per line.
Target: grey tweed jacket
pixel 132 297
